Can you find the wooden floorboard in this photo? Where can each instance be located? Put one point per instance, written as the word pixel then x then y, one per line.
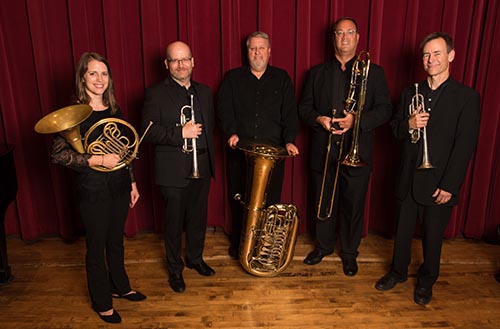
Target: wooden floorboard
pixel 49 289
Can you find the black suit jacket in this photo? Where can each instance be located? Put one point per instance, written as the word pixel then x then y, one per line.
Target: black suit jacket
pixel 317 100
pixel 452 134
pixel 162 107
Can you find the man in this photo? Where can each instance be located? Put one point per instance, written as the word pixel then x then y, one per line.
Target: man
pixel 186 198
pixel 430 194
pixel 256 103
pixel 327 88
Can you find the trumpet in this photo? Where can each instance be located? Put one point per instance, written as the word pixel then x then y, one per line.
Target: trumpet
pixel 417 105
pixel 186 148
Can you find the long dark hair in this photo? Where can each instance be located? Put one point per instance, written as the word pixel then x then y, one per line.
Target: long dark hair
pixel 108 98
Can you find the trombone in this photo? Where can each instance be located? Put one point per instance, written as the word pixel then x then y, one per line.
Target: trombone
pixel 186 148
pixel 417 105
pixel 359 80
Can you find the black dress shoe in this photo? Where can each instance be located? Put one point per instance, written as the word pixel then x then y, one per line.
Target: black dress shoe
pixel 113 318
pixel 134 297
pixel 350 267
pixel 315 257
pixel 176 282
pixel 389 281
pixel 422 296
pixel 202 268
pixel 233 252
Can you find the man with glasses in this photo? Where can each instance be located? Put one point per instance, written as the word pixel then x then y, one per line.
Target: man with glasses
pixel 256 103
pixel 326 89
pixel 186 198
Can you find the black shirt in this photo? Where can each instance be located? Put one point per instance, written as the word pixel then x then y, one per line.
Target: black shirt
pixel 255 109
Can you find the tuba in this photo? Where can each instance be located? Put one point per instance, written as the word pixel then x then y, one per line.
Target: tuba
pixel 359 80
pixel 269 234
pixel 417 105
pixel 66 122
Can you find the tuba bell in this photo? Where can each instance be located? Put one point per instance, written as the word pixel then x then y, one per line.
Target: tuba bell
pixel 110 139
pixel 269 234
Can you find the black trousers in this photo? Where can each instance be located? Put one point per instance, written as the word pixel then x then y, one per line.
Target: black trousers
pixel 348 212
pixel 104 223
pixel 186 208
pixel 236 172
pixel 434 220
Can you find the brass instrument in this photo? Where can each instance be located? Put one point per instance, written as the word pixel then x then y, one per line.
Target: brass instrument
pixel 359 80
pixel 417 105
pixel 186 148
pixel 269 235
pixel 66 122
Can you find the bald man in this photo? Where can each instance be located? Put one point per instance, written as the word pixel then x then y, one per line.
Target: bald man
pixel 177 157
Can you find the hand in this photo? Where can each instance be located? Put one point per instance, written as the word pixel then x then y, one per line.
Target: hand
pixel 292 149
pixel 325 122
pixel 109 160
pixel 418 120
pixel 134 195
pixel 233 141
pixel 191 130
pixel 344 123
pixel 441 196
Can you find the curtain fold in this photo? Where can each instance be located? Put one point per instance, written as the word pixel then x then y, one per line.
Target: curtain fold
pixel 41 41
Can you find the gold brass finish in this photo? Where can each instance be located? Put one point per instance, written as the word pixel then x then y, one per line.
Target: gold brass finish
pixel 269 235
pixel 66 122
pixel 417 105
pixel 359 78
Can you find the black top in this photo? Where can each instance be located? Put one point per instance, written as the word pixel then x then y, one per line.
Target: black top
pixel 261 110
pixel 92 185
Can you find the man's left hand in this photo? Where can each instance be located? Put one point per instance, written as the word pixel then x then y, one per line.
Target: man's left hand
pixel 344 123
pixel 441 196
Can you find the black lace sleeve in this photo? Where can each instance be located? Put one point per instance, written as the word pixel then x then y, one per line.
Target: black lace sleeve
pixel 63 154
pixel 131 172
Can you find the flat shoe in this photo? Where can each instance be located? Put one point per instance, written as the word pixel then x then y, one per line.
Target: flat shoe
pixel 113 318
pixel 133 297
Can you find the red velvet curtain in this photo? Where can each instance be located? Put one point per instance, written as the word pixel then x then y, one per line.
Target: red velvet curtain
pixel 41 41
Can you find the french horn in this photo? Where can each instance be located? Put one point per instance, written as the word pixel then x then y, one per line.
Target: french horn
pixel 110 139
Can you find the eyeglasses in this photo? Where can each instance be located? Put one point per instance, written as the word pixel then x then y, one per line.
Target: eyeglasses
pixel 184 61
pixel 341 33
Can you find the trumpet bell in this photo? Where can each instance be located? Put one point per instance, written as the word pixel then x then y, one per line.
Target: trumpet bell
pixel 66 122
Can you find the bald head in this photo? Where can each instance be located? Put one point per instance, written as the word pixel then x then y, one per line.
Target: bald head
pixel 177 46
pixel 180 62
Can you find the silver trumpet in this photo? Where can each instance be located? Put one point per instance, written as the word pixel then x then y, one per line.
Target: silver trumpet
pixel 417 105
pixel 190 147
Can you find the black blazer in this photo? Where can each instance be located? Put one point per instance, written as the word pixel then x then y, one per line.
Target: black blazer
pixel 317 100
pixel 452 134
pixel 162 107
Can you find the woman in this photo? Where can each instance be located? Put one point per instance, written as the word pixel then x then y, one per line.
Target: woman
pixel 104 197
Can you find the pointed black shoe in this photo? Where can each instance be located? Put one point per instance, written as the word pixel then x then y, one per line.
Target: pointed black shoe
pixel 202 268
pixel 176 282
pixel 133 297
pixel 422 296
pixel 315 257
pixel 113 318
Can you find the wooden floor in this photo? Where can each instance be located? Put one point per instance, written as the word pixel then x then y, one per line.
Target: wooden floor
pixel 49 289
